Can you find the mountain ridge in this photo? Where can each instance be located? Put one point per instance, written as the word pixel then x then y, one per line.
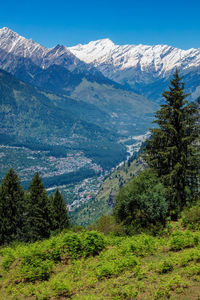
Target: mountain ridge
pixel 59 71
pixel 142 67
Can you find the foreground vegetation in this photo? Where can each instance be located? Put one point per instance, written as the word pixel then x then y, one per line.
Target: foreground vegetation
pixel 90 265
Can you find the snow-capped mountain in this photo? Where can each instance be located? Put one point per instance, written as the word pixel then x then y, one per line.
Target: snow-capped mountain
pixel 13 47
pixel 59 71
pixel 144 69
pixel 159 60
pixel 138 65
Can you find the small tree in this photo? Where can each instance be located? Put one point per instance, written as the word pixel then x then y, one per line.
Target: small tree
pixel 38 211
pixel 142 201
pixel 59 214
pixel 11 208
pixel 172 150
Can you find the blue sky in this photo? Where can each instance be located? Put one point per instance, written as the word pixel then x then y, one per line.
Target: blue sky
pixel 175 23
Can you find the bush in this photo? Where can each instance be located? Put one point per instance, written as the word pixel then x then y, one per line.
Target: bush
pixel 115 267
pixel 93 243
pixel 142 202
pixel 191 217
pixel 36 261
pixel 180 240
pixel 7 261
pixel 36 269
pixel 165 266
pixel 143 246
pixel 72 244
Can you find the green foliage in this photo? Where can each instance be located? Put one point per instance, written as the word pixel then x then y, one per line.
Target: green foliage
pixel 86 244
pixel 36 261
pixel 11 208
pixel 165 266
pixel 7 261
pixel 61 287
pixel 38 216
pixel 59 214
pixel 93 243
pixel 180 240
pixel 31 216
pixel 172 149
pixel 191 217
pixel 32 269
pixel 73 245
pixel 142 201
pixel 176 283
pixel 110 268
pixel 142 245
pixel 134 267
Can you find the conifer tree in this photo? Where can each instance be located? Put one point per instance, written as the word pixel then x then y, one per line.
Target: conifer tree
pixel 172 149
pixel 11 208
pixel 38 211
pixel 60 219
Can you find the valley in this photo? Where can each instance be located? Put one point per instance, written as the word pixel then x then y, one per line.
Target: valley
pixel 77 114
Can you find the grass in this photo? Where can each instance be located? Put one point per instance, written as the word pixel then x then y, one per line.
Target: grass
pixel 89 265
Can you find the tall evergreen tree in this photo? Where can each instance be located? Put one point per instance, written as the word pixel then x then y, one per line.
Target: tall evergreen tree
pixel 11 208
pixel 172 148
pixel 38 211
pixel 60 219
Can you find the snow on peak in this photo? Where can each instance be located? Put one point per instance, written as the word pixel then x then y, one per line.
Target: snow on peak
pixel 93 50
pixel 159 60
pixel 12 42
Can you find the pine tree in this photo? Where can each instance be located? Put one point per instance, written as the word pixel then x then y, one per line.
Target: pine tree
pixel 60 219
pixel 172 149
pixel 11 208
pixel 38 211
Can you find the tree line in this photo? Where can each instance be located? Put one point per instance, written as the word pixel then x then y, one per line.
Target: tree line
pixel 170 183
pixel 32 215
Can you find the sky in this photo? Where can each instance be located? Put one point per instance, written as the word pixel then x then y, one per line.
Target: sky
pixel 175 23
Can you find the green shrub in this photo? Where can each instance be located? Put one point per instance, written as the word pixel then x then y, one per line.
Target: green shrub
pixel 36 261
pixel 115 267
pixel 165 266
pixel 61 287
pixel 35 269
pixel 72 244
pixel 93 243
pixel 141 245
pixel 142 202
pixel 180 240
pixel 192 255
pixel 7 261
pixel 191 217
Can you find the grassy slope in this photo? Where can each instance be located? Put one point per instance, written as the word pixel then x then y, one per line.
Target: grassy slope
pixel 141 267
pixel 93 210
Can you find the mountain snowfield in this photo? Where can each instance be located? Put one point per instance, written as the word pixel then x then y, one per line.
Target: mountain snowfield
pixel 159 60
pixel 142 67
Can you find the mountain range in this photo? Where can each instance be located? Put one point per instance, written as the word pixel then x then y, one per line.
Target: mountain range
pixel 89 96
pixel 145 69
pixel 59 71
